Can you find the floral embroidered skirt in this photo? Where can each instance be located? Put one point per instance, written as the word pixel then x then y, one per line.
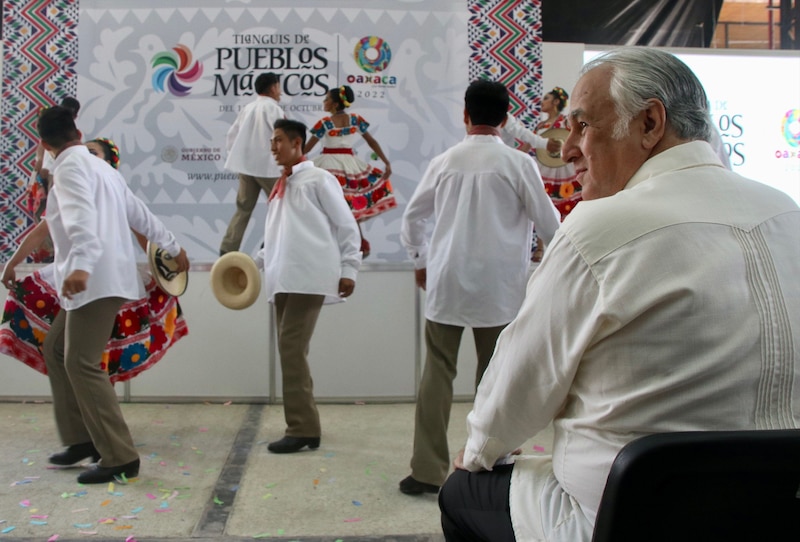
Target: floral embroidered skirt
pixel 143 331
pixel 367 194
pixel 562 187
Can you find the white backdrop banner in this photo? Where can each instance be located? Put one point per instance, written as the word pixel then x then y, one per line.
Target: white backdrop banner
pixel 166 83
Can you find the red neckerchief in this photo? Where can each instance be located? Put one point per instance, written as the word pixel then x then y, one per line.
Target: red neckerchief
pixel 484 129
pixel 280 187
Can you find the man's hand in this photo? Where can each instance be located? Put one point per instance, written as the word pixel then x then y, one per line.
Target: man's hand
pixel 75 283
pixel 9 276
pixel 183 261
pixel 554 146
pixel 421 276
pixel 458 462
pixel 346 287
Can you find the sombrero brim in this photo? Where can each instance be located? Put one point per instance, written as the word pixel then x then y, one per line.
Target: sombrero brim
pixel 235 280
pixel 174 286
pixel 552 159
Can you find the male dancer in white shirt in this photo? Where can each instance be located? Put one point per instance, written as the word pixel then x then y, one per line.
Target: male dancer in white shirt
pixel 90 213
pixel 311 257
pixel 247 142
pixel 484 197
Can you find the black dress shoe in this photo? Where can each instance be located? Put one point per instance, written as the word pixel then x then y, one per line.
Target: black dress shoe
pixel 75 453
pixel 288 445
pixel 410 486
pixel 101 475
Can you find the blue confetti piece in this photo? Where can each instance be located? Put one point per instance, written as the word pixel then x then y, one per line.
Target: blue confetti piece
pixel 164 504
pixel 357 503
pixel 8 529
pixel 83 525
pixel 38 522
pixel 137 510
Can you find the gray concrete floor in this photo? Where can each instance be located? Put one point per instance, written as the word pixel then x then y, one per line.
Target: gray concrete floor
pixel 206 475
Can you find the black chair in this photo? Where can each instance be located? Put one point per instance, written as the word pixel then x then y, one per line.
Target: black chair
pixel 704 487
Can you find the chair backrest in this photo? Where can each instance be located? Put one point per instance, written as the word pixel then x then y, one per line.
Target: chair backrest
pixel 704 486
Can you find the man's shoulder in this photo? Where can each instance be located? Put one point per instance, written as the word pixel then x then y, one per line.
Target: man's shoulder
pixel 710 196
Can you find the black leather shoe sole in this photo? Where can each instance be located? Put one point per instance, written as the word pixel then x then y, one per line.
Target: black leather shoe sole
pixel 410 486
pixel 101 475
pixel 74 454
pixel 288 445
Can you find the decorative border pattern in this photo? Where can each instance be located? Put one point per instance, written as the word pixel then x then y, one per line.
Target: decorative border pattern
pixel 505 39
pixel 40 52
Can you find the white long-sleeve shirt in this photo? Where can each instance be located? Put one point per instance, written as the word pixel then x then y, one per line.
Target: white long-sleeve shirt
pixel 516 129
pixel 483 196
pixel 673 305
pixel 90 212
pixel 311 239
pixel 249 139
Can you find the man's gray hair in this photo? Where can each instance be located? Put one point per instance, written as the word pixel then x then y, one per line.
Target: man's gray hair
pixel 640 74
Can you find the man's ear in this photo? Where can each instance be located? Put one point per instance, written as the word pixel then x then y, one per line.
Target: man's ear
pixel 654 118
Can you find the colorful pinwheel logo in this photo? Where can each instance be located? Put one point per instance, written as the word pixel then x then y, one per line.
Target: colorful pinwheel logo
pixel 174 70
pixel 791 127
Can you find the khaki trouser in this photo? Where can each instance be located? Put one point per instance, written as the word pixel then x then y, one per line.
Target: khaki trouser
pixel 296 316
pixel 85 403
pixel 246 199
pixel 430 462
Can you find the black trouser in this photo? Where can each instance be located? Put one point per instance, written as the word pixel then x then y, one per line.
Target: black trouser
pixel 475 506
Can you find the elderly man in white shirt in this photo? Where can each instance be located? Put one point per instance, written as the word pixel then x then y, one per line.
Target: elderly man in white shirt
pixel 666 302
pixel 90 213
pixel 484 197
pixel 248 143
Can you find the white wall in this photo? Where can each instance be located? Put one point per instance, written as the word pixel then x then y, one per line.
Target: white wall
pixel 368 348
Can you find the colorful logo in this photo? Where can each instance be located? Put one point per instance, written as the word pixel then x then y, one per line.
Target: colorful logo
pixel 372 54
pixel 791 127
pixel 174 70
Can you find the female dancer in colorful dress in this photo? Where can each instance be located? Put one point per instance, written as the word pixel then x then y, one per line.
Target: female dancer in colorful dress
pixel 144 330
pixel 367 190
pixel 559 182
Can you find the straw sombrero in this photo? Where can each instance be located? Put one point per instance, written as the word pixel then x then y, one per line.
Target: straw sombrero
pixel 235 280
pixel 552 159
pixel 165 270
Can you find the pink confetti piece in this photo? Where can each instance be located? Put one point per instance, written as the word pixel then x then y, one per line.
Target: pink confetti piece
pixel 53 538
pixel 151 496
pixel 130 539
pixel 25 504
pixel 163 510
pixel 538 448
pixel 352 520
pixel 39 516
pixel 227 403
pixel 106 521
pixel 204 429
pixel 88 532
